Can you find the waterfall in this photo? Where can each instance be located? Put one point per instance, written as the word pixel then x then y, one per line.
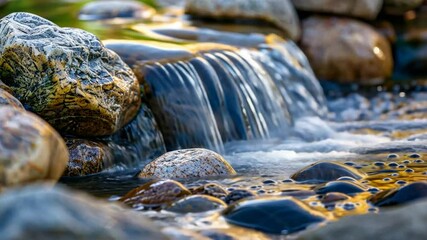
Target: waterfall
pixel 204 95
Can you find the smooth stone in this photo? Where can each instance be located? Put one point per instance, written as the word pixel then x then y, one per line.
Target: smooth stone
pixel 76 84
pixel 273 215
pixel 367 9
pixel 126 9
pixel 340 187
pixel 405 194
pixel 346 50
pixel 325 172
pixel 234 233
pixel 155 194
pixel 30 149
pixel 87 157
pixel 41 212
pixel 407 222
pixel 398 7
pixel 196 204
pixel 281 13
pixel 211 189
pixel 237 195
pixel 332 197
pixel 187 163
pixel 6 99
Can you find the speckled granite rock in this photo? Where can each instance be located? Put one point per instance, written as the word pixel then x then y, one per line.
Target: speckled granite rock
pixel 368 9
pixel 187 163
pixel 40 212
pixel 279 12
pixel 30 149
pixel 66 76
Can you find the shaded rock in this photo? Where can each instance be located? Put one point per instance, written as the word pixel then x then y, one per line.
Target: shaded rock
pixel 273 215
pixel 138 142
pixel 237 195
pixel 340 187
pixel 155 194
pixel 325 172
pixel 30 149
pixel 407 222
pixel 9 100
pixel 196 204
pixel 368 9
pixel 401 6
pixel 346 51
pixel 41 212
pixel 211 189
pixel 187 163
pixel 66 76
pixel 405 194
pixel 278 12
pixel 234 233
pixel 110 9
pixel 87 157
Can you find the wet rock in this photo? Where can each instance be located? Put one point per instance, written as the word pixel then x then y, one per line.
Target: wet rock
pixel 340 187
pixel 333 197
pixel 407 222
pixel 234 233
pixel 278 12
pixel 66 76
pixel 237 195
pixel 155 194
pixel 405 194
pixel 398 7
pixel 30 149
pixel 273 215
pixel 196 204
pixel 110 9
pixel 87 157
pixel 41 212
pixel 211 189
pixel 326 171
pixel 187 163
pixel 346 51
pixel 8 100
pixel 368 9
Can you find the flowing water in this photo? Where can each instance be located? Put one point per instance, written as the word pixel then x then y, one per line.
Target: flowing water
pixel 255 100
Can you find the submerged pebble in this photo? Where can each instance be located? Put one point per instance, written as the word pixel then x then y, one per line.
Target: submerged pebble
pixel 273 215
pixel 339 186
pixel 155 194
pixel 237 195
pixel 196 204
pixel 325 171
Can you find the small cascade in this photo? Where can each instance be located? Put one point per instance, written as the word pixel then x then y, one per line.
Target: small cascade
pixel 210 94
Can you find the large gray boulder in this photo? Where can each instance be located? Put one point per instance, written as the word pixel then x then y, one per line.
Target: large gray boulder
pixel 367 9
pixel 66 76
pixel 278 12
pixel 40 212
pixel 406 222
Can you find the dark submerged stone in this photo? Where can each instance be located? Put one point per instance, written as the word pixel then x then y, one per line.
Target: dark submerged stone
pixel 405 194
pixel 273 215
pixel 196 204
pixel 325 171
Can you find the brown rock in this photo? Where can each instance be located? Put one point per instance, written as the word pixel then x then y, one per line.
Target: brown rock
pixel 9 100
pixel 86 157
pixel 155 194
pixel 346 51
pixel 30 149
